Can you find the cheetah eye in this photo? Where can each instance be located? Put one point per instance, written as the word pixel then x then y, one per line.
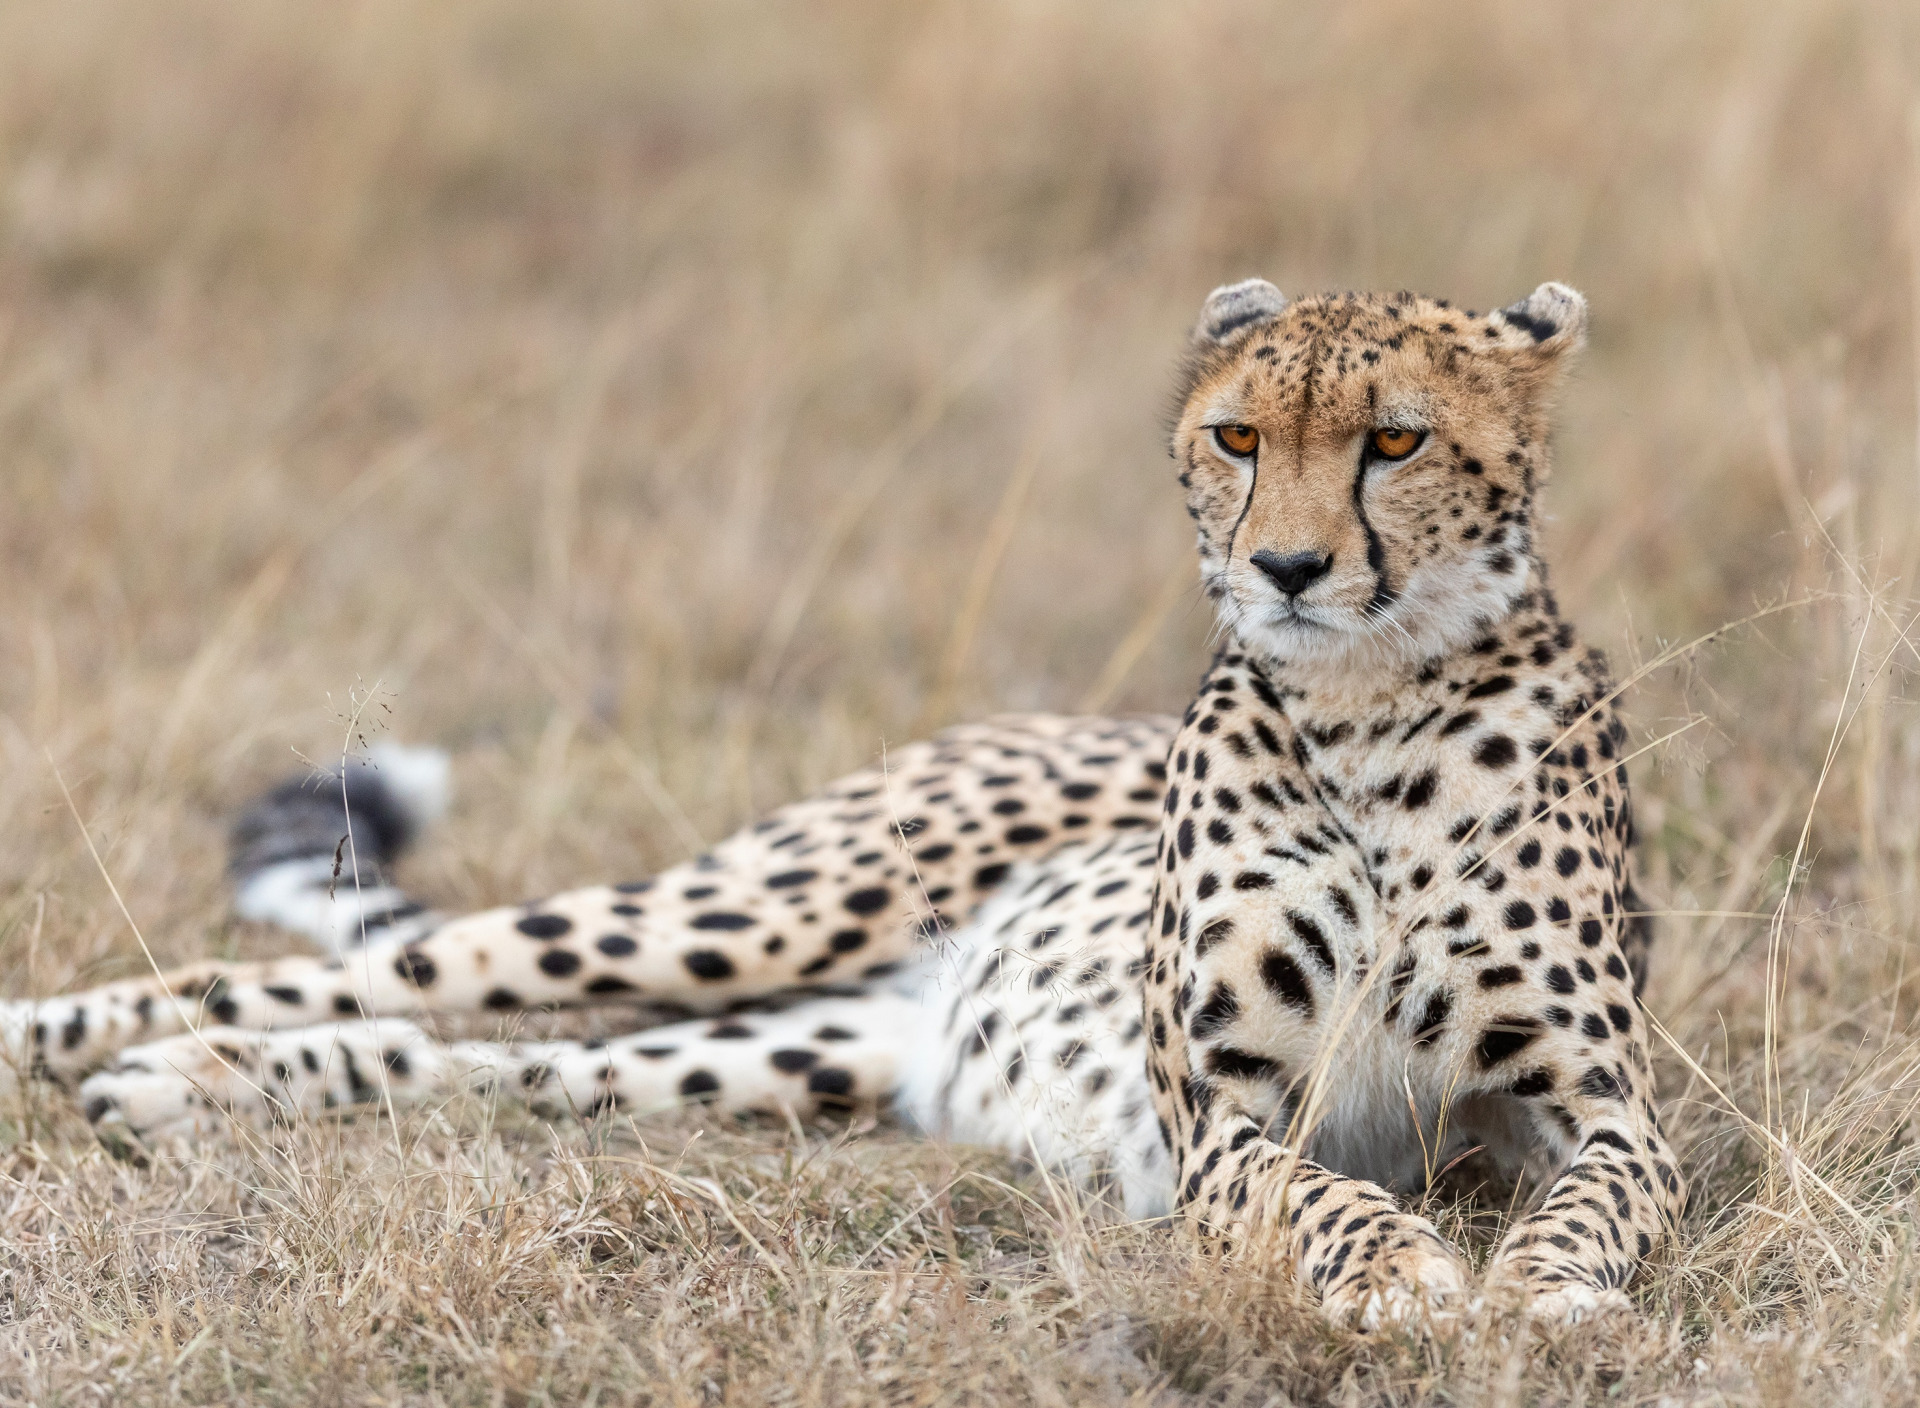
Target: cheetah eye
pixel 1237 440
pixel 1392 443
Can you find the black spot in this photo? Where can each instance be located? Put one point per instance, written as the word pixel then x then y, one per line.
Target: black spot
pixel 1594 1027
pixel 1559 979
pixel 1420 790
pixel 535 1074
pixel 1310 934
pixel 706 964
pixel 1504 1038
pixel 1209 936
pixel 1519 915
pixel 544 926
pixel 346 1004
pixel 1599 1083
pixel 559 963
pixel 832 1082
pixel 1504 976
pixel 787 879
pixel 608 985
pixel 695 1084
pixel 833 1033
pixel 730 1031
pixel 293 997
pixel 1495 751
pixel 1566 860
pixel 1343 902
pixel 1536 1082
pixel 1284 978
pixel 1025 835
pixel 1621 1017
pixel 987 876
pixel 1222 1009
pixel 415 968
pixel 847 940
pixel 500 1000
pixel 1243 1065
pixel 1528 855
pixel 616 945
pixel 1439 1008
pixel 726 921
pixel 792 1059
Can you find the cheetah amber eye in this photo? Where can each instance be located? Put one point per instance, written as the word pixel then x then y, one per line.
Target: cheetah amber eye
pixel 1392 444
pixel 1239 440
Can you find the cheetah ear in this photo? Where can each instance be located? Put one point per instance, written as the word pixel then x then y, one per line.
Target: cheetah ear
pixel 1232 308
pixel 1552 320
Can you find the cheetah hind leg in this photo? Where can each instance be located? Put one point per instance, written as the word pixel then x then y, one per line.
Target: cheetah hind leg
pixel 818 1054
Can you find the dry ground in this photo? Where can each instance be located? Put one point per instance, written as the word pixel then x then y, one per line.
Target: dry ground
pixel 663 404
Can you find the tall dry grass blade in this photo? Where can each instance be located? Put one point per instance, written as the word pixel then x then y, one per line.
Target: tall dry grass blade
pixel 1173 589
pixel 573 699
pixel 1006 521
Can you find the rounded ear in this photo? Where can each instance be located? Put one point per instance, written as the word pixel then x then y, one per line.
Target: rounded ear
pixel 1553 318
pixel 1232 308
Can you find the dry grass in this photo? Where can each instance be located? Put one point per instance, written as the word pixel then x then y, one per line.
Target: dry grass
pixel 661 405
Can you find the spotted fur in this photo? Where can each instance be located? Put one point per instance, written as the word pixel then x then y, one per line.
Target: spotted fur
pixel 1269 967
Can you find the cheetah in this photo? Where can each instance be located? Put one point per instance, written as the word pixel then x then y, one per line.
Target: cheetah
pixel 1267 968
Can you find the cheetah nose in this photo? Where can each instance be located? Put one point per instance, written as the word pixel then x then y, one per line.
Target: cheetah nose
pixel 1295 572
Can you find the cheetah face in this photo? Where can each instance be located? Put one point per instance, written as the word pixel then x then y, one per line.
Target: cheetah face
pixel 1361 468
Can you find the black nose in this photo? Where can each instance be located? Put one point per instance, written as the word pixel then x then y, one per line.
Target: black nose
pixel 1295 572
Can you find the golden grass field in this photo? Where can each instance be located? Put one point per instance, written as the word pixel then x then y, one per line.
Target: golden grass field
pixel 663 406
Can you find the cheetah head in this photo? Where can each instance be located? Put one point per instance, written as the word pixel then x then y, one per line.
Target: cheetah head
pixel 1361 468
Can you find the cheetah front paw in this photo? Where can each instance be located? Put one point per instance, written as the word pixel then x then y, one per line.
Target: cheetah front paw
pixel 1405 1278
pixel 1571 1305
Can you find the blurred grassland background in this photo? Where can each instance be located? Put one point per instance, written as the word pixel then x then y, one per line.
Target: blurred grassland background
pixel 666 405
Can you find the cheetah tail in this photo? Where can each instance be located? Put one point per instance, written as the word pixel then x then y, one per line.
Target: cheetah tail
pixel 313 854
